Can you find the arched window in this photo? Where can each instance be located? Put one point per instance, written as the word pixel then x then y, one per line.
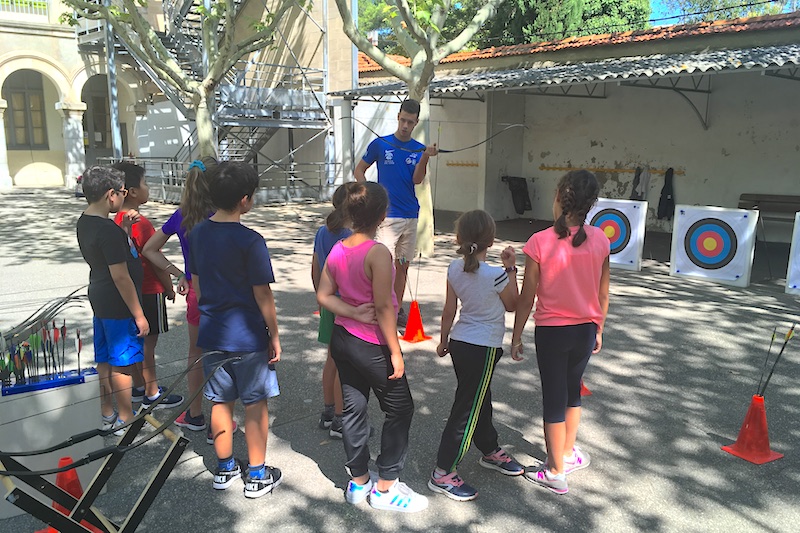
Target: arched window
pixel 25 117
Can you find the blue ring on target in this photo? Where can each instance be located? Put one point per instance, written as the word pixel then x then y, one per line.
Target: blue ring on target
pixel 723 240
pixel 619 221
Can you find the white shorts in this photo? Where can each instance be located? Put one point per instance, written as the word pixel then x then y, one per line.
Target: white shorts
pixel 399 235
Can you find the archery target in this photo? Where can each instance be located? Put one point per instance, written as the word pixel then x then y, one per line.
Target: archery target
pixel 793 273
pixel 713 243
pixel 623 222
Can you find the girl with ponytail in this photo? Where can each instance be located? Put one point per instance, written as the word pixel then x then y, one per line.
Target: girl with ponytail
pixel 475 346
pixel 566 269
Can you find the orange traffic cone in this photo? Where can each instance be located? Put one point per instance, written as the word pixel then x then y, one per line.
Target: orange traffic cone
pixel 414 331
pixel 68 482
pixel 752 444
pixel 584 390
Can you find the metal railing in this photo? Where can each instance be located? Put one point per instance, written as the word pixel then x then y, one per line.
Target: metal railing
pixel 40 8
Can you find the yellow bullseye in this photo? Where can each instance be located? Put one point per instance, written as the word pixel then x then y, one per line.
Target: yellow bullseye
pixel 609 231
pixel 710 244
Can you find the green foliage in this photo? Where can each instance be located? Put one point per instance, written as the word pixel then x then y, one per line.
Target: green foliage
pixel 699 10
pixel 521 21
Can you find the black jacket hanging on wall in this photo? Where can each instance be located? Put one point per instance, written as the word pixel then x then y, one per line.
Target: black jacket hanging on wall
pixel 519 193
pixel 666 204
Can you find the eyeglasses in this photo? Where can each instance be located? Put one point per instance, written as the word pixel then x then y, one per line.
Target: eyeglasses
pixel 123 191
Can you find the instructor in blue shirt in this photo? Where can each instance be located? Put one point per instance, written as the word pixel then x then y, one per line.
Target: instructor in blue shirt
pixel 402 163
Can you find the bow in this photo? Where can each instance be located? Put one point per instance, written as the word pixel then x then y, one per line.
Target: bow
pixel 441 150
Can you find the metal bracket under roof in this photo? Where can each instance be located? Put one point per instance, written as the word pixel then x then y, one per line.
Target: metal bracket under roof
pixel 584 90
pixel 786 73
pixel 696 90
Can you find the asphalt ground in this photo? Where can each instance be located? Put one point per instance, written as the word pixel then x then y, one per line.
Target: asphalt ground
pixel 680 363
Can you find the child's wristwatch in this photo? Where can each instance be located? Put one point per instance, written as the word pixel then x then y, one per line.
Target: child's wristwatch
pixel 511 269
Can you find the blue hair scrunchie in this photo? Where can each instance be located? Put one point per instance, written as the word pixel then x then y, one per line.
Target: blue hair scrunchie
pixel 197 164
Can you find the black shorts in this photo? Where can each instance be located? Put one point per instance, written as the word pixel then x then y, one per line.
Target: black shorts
pixel 155 311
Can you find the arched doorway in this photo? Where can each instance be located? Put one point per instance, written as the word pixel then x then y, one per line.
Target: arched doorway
pixel 97 121
pixel 33 129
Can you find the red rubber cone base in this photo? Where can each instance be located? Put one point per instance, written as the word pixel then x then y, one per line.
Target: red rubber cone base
pixel 414 331
pixel 584 390
pixel 753 441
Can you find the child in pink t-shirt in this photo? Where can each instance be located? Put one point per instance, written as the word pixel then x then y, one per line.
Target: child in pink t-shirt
pixel 566 268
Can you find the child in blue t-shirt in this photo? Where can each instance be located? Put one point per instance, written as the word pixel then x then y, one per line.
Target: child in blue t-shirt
pixel 332 232
pixel 231 273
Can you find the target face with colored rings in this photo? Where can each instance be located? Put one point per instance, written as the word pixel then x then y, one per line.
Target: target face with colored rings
pixel 710 243
pixel 616 226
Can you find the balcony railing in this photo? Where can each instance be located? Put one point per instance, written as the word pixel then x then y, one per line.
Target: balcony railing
pixel 38 8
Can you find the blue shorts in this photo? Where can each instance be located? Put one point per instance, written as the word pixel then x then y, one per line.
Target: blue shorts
pixel 116 343
pixel 249 379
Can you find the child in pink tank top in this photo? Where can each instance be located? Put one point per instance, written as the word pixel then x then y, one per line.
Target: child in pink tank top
pixel 367 353
pixel 566 268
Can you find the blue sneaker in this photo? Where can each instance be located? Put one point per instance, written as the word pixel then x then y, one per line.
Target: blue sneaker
pixel 172 400
pixel 137 394
pixel 502 462
pixel 399 497
pixel 452 486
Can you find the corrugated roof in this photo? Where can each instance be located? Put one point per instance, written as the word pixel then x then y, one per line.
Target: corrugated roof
pixel 661 33
pixel 658 65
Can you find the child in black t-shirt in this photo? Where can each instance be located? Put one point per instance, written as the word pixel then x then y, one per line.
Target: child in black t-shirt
pixel 115 281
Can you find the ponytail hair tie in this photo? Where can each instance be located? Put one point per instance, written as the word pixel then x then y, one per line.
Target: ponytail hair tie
pixel 197 164
pixel 473 248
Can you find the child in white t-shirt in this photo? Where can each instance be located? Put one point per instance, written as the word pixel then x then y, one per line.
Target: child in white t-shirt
pixel 474 344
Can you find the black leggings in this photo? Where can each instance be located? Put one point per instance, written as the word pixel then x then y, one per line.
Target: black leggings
pixel 562 353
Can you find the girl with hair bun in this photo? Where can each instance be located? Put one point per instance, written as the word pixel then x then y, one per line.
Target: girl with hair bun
pixel 475 346
pixel 367 352
pixel 567 270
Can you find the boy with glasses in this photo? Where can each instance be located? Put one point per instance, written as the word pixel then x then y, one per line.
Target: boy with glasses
pixel 115 280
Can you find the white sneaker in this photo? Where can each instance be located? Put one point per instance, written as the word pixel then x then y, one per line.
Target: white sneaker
pixel 117 423
pixel 355 493
pixel 399 497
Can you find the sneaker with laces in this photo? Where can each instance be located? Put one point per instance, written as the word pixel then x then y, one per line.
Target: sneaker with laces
pixel 355 493
pixel 192 423
pixel 326 417
pixel 225 478
pixel 336 428
pixel 399 497
pixel 257 487
pixel 210 437
pixel 117 423
pixel 543 477
pixel 580 459
pixel 452 486
pixel 171 400
pixel 108 421
pixel 137 394
pixel 502 462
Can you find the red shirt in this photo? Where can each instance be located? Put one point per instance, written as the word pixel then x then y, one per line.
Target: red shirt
pixel 140 234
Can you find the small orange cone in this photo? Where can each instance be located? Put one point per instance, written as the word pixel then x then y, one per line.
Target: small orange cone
pixel 414 331
pixel 68 482
pixel 752 444
pixel 584 390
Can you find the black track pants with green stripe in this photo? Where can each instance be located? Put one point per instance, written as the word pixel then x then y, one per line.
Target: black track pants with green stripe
pixel 471 415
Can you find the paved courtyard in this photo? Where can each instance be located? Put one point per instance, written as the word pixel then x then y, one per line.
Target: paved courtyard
pixel 680 362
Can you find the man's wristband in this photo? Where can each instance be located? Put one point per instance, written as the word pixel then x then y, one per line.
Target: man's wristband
pixel 510 269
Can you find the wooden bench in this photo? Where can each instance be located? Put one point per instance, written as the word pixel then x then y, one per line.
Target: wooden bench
pixel 771 206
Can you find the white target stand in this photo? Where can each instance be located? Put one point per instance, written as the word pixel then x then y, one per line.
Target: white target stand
pixel 793 273
pixel 623 222
pixel 713 243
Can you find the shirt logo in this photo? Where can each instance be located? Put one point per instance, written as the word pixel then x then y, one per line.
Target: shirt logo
pixel 412 159
pixel 388 156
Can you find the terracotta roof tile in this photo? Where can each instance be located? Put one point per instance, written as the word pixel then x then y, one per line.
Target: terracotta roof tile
pixel 767 22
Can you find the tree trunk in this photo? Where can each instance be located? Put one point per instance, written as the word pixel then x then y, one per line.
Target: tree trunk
pixel 423 190
pixel 205 127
